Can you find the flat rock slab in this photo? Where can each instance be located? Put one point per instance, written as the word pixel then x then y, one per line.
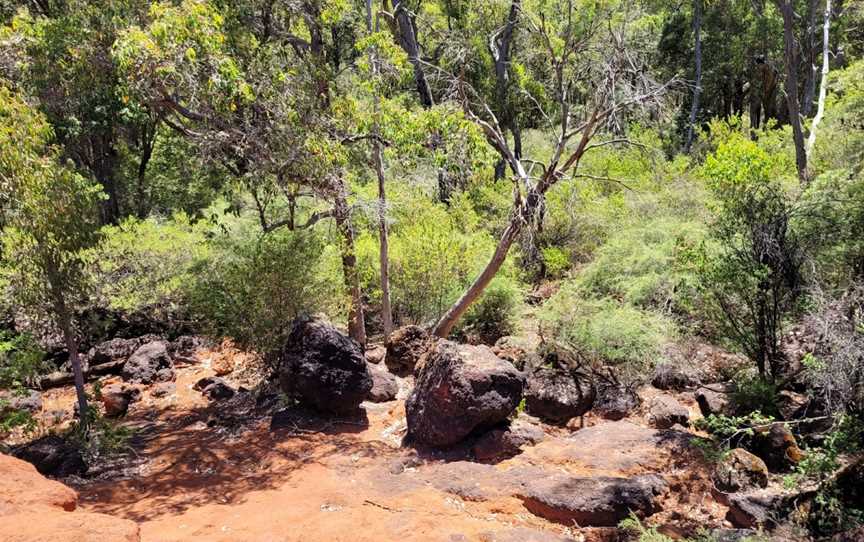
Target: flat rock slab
pixel 601 501
pixel 613 449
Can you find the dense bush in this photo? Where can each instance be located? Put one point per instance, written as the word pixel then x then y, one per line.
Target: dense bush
pixel 647 266
pixel 606 332
pixel 146 266
pixel 493 315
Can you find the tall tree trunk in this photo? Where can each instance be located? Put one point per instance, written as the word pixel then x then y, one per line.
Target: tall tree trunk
pixel 809 90
pixel 697 88
pixel 64 320
pixel 342 215
pixel 148 140
pixel 791 60
pixel 408 42
pixel 378 159
pixel 823 85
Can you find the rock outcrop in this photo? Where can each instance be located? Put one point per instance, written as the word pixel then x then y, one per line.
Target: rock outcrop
pixel 557 395
pixel 116 399
pixel 615 402
pixel 323 368
pixel 33 508
pixel 601 501
pixel 668 376
pixel 505 442
pixel 148 364
pixel 461 389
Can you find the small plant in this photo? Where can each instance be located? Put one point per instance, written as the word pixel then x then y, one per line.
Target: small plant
pixel 753 393
pixel 639 532
pixel 730 431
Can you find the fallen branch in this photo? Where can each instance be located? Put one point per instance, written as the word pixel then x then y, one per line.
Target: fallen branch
pixel 59 378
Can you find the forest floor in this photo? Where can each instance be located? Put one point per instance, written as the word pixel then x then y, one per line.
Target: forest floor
pixel 192 476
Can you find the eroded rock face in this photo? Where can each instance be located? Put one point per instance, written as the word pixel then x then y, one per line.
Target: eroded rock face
pixel 148 364
pixel 461 388
pixel 405 348
pixel 601 501
pixel 384 385
pixel 22 485
pixel 556 395
pixel 665 411
pixel 52 456
pixel 740 471
pixel 323 368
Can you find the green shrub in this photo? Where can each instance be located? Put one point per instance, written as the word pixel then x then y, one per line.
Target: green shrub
pixel 645 266
pixel 251 286
pixel 556 261
pixel 605 332
pixel 21 361
pixel 493 315
pixel 753 393
pixel 146 266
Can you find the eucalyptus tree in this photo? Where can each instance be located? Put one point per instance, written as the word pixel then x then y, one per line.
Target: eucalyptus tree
pixel 594 75
pixel 49 221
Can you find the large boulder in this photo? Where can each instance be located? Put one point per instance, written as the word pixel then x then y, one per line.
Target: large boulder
pixel 323 368
pixel 461 389
pixel 52 456
pixel 556 394
pixel 148 364
pixel 601 501
pixel 22 485
pixel 664 412
pixel 740 471
pixel 112 350
pixel 405 348
pixel 755 509
pixel 669 376
pixel 615 402
pixel 384 384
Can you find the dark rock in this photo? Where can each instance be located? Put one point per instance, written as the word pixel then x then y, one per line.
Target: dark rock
pixel 218 390
pixel 52 456
pixel 740 471
pixel 715 401
pixel 505 442
pixel 615 402
pixel 113 350
pixel 461 389
pixel 149 363
pixel 556 394
pixel 754 510
pixel 668 376
pixel 405 348
pixel 206 381
pixel 29 400
pixel 384 385
pixel 792 405
pixel 183 348
pixel 665 412
pixel 164 389
pixel 601 501
pixel 323 368
pixel 776 445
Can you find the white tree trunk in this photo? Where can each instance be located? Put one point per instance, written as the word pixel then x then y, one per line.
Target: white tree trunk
pixel 823 85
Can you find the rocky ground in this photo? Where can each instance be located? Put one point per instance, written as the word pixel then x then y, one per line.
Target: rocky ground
pixel 213 459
